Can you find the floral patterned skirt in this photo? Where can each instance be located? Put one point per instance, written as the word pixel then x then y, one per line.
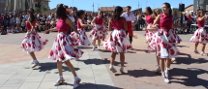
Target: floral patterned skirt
pixel 117 42
pixel 64 48
pixel 33 42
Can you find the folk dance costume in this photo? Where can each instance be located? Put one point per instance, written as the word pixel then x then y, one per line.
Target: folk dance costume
pixel 32 41
pixel 117 41
pixel 63 48
pixel 149 35
pixel 200 35
pixel 98 32
pixel 83 39
pixel 177 38
pixel 165 39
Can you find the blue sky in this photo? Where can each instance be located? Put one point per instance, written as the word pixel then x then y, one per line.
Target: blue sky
pixel 88 4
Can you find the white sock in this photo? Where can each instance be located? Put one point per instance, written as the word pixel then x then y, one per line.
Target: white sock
pixel 167 69
pixel 111 66
pixel 163 74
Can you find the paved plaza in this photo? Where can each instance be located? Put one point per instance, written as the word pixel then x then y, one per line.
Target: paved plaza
pixel 92 68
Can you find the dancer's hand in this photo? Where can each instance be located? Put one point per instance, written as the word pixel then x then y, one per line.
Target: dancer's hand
pixel 153 27
pixel 135 36
pixel 89 25
pixel 47 31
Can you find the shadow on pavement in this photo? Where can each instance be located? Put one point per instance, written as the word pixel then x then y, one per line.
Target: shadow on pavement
pixel 103 50
pixel 188 61
pixel 141 50
pixel 131 51
pixel 85 47
pixel 48 66
pixel 107 51
pixel 189 77
pixel 140 73
pixel 95 61
pixel 182 46
pixel 96 86
pixel 98 62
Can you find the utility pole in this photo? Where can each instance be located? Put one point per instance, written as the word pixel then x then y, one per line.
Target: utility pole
pixel 93 6
pixel 138 4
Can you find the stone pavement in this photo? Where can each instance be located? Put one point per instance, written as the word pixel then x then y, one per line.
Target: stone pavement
pixel 21 76
pixel 186 73
pixel 16 72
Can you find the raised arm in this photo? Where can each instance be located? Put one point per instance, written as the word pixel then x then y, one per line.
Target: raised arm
pixel 93 21
pixel 156 20
pixel 202 18
pixel 82 24
pixel 109 25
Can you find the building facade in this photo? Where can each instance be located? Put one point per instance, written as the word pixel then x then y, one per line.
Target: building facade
pixel 22 5
pixel 2 5
pixel 201 4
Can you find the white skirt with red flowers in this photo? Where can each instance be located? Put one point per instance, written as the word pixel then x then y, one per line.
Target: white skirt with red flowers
pixel 177 37
pixel 98 33
pixel 117 42
pixel 200 36
pixel 64 48
pixel 83 39
pixel 33 42
pixel 150 35
pixel 165 44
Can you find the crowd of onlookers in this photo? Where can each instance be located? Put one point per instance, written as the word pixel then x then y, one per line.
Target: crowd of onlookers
pixel 15 23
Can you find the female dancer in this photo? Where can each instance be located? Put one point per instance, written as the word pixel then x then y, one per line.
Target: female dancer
pixel 200 35
pixel 165 40
pixel 63 49
pixel 98 32
pixel 149 20
pixel 84 41
pixel 32 41
pixel 150 32
pixel 118 42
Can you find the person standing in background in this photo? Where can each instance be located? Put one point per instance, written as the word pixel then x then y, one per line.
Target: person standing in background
pixel 130 18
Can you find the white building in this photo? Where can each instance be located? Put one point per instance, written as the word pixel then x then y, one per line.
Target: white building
pixel 22 5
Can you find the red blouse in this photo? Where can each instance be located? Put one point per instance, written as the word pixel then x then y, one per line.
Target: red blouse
pixel 149 19
pixel 99 21
pixel 62 26
pixel 118 24
pixel 29 25
pixel 79 25
pixel 200 23
pixel 166 22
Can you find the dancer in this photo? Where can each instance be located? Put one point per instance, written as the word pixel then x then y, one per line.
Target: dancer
pixel 32 42
pixel 98 32
pixel 149 33
pixel 117 42
pixel 165 40
pixel 130 18
pixel 84 41
pixel 63 49
pixel 200 36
